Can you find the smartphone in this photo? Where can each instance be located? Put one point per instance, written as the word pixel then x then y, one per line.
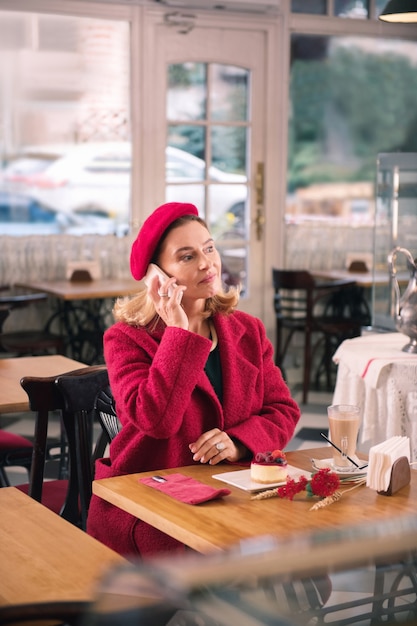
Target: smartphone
pixel 154 270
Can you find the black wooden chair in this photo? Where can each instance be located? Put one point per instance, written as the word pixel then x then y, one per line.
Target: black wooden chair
pixel 15 451
pixel 105 406
pixel 25 342
pixel 60 495
pixel 69 497
pixel 317 310
pixel 79 390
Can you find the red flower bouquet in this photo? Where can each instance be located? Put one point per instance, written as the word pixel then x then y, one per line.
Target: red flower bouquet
pixel 323 484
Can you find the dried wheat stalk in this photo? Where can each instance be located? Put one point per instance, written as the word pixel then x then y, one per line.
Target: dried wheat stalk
pixel 263 495
pixel 335 496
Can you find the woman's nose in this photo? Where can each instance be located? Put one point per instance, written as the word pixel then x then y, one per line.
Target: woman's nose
pixel 204 261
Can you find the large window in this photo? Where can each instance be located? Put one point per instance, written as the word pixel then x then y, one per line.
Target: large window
pixel 65 153
pixel 351 98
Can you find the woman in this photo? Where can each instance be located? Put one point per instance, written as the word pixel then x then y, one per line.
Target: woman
pixel 193 378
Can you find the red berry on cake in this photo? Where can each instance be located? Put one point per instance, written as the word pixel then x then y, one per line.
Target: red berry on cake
pixel 279 457
pixel 269 467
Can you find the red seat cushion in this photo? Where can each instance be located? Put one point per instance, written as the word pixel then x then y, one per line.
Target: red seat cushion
pixel 11 441
pixel 53 493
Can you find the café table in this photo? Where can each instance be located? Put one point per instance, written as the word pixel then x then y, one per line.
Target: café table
pixel 96 289
pixel 44 557
pixel 362 279
pixel 374 373
pixel 219 524
pixel 82 311
pixel 369 287
pixel 13 399
pixel 366 280
pixel 14 297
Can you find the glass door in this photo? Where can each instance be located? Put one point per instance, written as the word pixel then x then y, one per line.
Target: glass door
pixel 206 153
pixel 208 119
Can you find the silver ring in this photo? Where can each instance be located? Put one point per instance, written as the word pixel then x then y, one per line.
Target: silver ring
pixel 164 295
pixel 220 446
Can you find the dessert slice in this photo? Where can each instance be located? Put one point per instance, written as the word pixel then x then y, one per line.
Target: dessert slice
pixel 269 467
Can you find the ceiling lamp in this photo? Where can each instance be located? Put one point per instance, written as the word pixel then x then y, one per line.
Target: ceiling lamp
pixel 400 11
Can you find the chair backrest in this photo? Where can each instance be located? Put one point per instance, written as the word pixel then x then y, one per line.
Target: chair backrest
pixel 293 297
pixel 292 279
pixel 79 390
pixel 25 341
pixel 44 397
pixel 74 396
pixel 106 412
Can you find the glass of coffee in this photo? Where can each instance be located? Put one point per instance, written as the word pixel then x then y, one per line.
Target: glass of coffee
pixel 344 421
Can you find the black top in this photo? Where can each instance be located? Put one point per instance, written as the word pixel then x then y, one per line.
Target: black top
pixel 213 370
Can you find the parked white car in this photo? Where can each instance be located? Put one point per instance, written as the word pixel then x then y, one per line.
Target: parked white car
pixel 227 191
pixel 90 179
pixel 94 180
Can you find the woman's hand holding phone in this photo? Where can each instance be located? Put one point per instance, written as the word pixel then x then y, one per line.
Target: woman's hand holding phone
pixel 166 296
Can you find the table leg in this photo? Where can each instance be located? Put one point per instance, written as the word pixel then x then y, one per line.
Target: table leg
pixel 82 330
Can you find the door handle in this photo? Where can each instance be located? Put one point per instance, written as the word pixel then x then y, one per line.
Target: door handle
pixel 260 191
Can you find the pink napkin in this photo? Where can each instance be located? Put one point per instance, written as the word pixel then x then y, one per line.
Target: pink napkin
pixel 185 489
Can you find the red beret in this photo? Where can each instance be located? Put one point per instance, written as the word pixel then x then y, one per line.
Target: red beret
pixel 150 234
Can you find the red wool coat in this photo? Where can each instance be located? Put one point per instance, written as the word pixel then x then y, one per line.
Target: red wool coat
pixel 165 402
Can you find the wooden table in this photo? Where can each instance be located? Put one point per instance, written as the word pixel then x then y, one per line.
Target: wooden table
pixel 362 279
pixel 219 524
pixel 13 399
pixel 84 290
pixel 44 557
pixel 83 311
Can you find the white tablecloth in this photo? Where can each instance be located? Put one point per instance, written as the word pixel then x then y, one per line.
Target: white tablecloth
pixel 374 373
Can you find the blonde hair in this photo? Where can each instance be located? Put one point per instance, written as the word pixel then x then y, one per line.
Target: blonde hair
pixel 139 310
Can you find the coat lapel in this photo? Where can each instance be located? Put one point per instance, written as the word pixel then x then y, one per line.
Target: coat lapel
pixel 239 373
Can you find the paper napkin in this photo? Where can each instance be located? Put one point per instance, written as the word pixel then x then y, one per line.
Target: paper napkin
pixel 381 460
pixel 185 489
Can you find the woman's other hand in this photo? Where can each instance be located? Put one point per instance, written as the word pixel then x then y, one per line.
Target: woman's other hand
pixel 215 446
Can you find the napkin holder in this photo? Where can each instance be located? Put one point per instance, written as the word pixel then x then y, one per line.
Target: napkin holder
pixel 400 476
pixel 82 271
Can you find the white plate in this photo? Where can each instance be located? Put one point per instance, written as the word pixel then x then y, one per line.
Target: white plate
pixel 242 479
pixel 353 473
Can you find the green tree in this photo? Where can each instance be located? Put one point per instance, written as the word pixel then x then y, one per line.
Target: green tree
pixel 345 109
